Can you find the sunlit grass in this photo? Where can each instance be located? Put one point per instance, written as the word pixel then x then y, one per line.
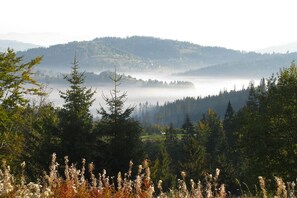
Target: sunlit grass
pixel 84 183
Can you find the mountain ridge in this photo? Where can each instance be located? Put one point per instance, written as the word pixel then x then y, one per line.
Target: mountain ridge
pixel 141 54
pixel 16 45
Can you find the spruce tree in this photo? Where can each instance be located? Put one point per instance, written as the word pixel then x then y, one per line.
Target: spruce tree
pixel 187 125
pixel 75 118
pixel 162 168
pixel 193 158
pixel 228 124
pixel 119 129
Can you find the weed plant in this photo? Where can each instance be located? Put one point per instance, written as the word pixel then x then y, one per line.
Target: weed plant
pixel 75 183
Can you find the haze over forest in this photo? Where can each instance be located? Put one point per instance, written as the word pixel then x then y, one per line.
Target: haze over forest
pixel 152 63
pixel 201 93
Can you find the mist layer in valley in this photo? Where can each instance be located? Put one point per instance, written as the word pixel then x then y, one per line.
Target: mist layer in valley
pixel 203 86
pixel 148 62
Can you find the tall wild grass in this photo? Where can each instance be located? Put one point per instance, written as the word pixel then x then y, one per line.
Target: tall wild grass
pixel 75 183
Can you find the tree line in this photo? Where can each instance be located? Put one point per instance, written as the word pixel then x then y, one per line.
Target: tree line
pixel 175 112
pixel 31 130
pixel 257 139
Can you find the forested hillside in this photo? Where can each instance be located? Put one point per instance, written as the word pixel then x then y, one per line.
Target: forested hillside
pixel 139 54
pixel 103 79
pixel 133 53
pixel 175 112
pixel 249 67
pixel 256 136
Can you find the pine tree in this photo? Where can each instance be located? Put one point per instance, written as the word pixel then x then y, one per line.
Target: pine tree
pixel 118 128
pixel 216 140
pixel 193 158
pixel 187 125
pixel 116 103
pixel 162 168
pixel 75 118
pixel 252 102
pixel 228 124
pixel 271 129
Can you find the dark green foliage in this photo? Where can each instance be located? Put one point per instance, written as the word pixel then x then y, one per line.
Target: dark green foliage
pixel 120 132
pixel 16 80
pixel 162 168
pixel 268 123
pixel 76 121
pixel 256 139
pixel 188 126
pixel 16 83
pixel 115 103
pixel 175 112
pixel 42 136
pixel 172 145
pixel 229 125
pixel 193 159
pixel 216 144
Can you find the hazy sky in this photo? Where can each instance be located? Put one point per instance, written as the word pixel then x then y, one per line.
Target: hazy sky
pixel 237 24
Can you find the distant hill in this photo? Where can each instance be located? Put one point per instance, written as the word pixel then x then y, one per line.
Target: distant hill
pixel 92 79
pixel 287 48
pixel 142 54
pixel 132 54
pixel 248 68
pixel 16 45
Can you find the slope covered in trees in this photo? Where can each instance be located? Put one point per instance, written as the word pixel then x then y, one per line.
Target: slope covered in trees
pixel 93 79
pixel 175 112
pixel 258 138
pixel 132 54
pixel 250 67
pixel 139 54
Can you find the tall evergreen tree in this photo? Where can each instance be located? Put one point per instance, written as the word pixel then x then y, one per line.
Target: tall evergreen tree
pixel 119 129
pixel 187 125
pixel 252 102
pixel 211 128
pixel 76 121
pixel 173 147
pixel 279 114
pixel 162 168
pixel 271 129
pixel 193 158
pixel 228 124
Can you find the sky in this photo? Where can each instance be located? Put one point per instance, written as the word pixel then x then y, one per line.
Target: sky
pixel 237 24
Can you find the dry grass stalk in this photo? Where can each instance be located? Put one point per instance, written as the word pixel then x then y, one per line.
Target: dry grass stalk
pixel 262 185
pixel 76 185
